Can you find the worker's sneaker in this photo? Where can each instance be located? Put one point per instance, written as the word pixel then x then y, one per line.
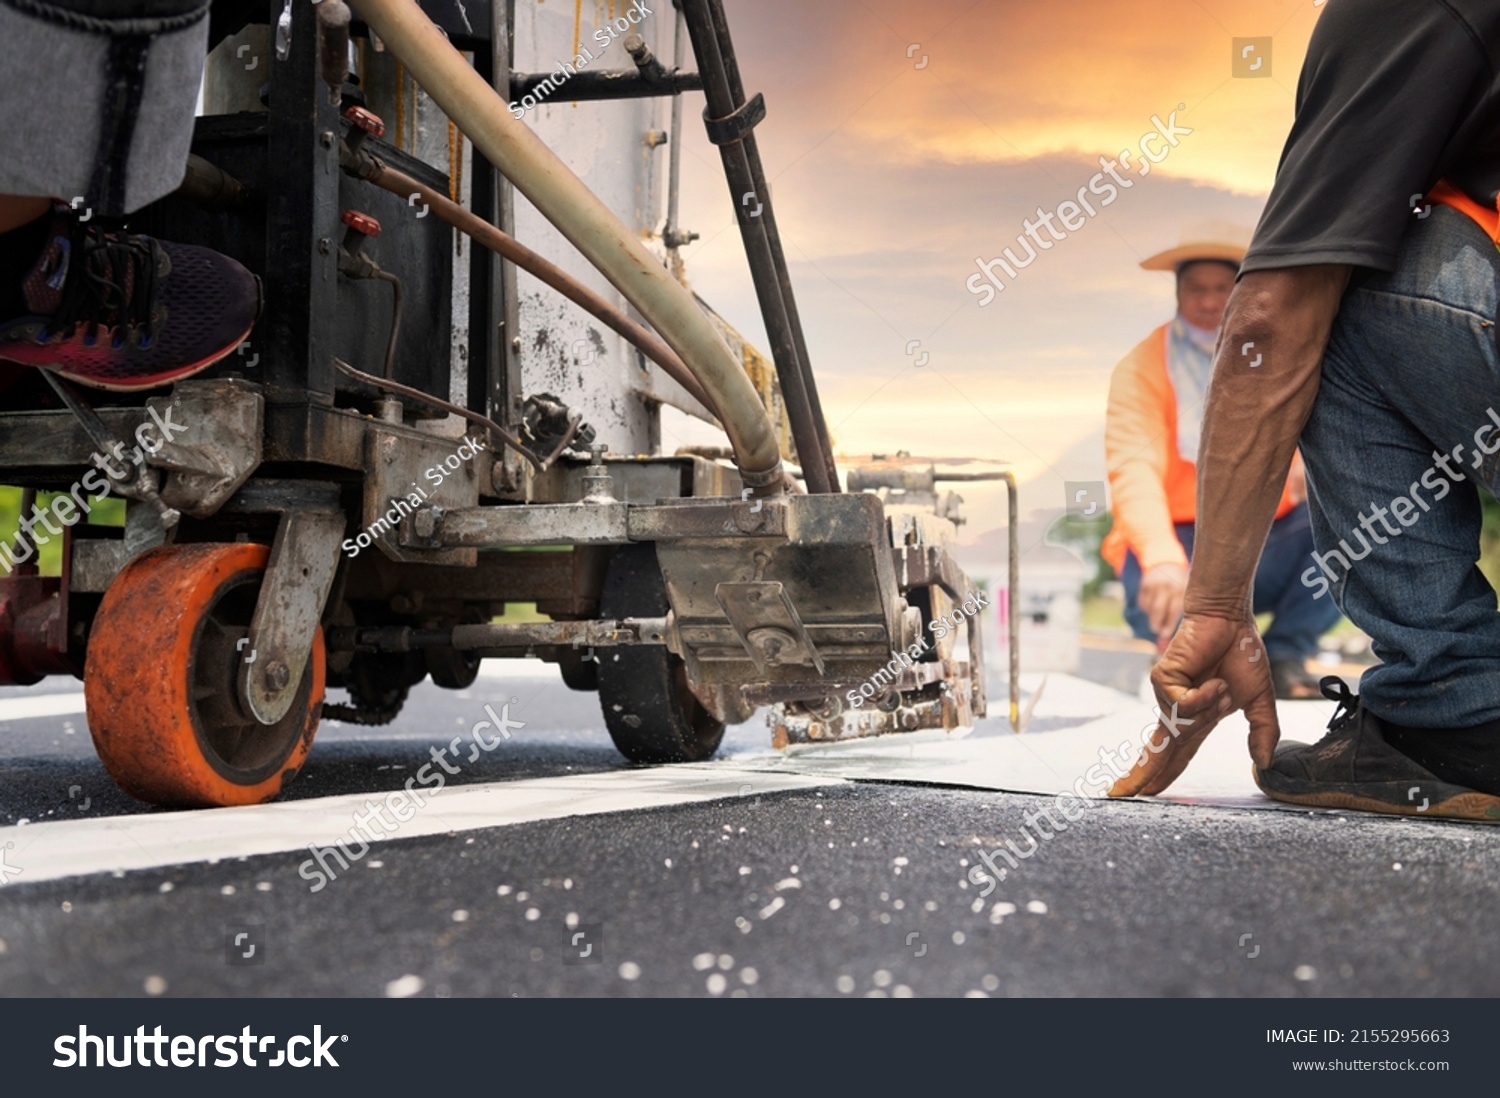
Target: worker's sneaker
pixel 1353 767
pixel 120 311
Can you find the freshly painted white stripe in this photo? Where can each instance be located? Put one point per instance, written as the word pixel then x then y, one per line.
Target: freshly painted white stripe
pixel 40 705
pixel 1083 717
pixel 50 851
pixel 1080 719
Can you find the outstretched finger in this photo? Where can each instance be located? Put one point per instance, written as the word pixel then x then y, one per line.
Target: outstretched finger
pixel 1188 737
pixel 1181 751
pixel 1169 697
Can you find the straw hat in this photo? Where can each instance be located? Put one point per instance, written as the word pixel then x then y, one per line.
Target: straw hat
pixel 1221 240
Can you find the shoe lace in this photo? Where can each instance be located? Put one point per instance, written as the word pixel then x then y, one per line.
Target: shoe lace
pixel 1337 690
pixel 112 283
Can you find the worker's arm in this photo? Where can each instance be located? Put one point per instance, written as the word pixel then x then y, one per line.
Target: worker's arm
pixel 1136 438
pixel 1137 441
pixel 1216 662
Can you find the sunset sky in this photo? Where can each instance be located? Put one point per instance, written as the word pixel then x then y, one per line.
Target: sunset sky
pixel 890 180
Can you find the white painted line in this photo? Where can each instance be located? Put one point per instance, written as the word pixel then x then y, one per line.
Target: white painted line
pixel 52 851
pixel 1084 717
pixel 41 705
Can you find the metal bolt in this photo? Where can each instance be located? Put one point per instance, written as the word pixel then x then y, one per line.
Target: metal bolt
pixel 277 675
pixel 598 485
pixel 829 708
pixel 425 523
pixel 325 246
pixel 326 139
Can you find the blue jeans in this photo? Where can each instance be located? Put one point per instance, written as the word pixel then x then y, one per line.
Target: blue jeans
pixel 1299 618
pixel 1412 374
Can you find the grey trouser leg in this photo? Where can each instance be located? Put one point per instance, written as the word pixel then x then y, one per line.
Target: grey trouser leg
pixel 97 97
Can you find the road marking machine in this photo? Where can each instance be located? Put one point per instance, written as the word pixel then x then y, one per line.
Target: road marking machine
pixel 453 404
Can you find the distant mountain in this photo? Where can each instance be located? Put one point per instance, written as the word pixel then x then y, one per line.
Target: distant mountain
pixel 1084 460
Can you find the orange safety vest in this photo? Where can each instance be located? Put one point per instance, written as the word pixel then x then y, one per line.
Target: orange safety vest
pixel 1446 194
pixel 1152 487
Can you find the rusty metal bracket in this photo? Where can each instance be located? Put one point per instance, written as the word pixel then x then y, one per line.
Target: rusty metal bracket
pixel 767 624
pixel 524 524
pixel 217 446
pixel 595 634
pixel 692 519
pixel 599 523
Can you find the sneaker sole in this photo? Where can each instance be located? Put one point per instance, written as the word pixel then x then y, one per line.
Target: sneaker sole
pixel 156 381
pixel 1456 803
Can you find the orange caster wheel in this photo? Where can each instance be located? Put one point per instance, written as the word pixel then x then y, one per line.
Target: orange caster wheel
pixel 160 682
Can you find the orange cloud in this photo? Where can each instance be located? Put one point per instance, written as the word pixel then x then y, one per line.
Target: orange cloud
pixel 1014 80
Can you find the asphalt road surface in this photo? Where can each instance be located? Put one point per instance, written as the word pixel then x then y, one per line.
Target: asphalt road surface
pixel 553 868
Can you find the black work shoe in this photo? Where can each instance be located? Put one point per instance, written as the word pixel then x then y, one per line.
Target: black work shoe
pixel 1353 767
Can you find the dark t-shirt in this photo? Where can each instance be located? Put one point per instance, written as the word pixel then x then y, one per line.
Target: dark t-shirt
pixel 1395 95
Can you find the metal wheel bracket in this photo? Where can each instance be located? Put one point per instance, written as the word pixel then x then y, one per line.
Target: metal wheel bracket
pixel 304 558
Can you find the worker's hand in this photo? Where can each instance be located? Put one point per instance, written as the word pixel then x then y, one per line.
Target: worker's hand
pixel 1162 590
pixel 1212 667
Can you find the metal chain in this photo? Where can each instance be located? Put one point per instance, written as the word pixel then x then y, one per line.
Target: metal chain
pixel 361 713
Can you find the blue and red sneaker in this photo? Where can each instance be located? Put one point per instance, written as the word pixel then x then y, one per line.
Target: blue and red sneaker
pixel 119 311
